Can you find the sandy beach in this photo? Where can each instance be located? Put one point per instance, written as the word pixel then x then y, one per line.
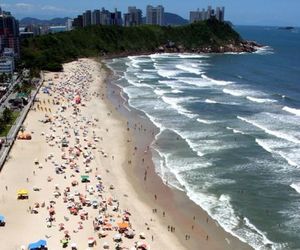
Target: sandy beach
pixel 80 132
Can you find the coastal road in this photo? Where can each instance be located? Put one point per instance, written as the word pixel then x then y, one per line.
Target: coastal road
pixel 9 94
pixel 12 135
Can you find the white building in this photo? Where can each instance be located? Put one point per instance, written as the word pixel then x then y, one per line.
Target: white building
pixel 9 52
pixel 155 15
pixel 6 66
pixel 69 24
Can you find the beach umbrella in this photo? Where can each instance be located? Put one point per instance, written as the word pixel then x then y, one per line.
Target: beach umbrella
pixel 117 237
pixel 2 220
pixel 129 233
pixel 77 99
pixel 123 225
pixel 85 178
pixel 91 241
pixel 102 233
pixel 142 235
pixel 37 245
pixel 64 242
pixel 73 245
pixel 22 192
pixel 51 210
pixel 142 245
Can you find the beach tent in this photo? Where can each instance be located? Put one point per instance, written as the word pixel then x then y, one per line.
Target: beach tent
pixel 22 193
pixel 41 244
pixel 2 220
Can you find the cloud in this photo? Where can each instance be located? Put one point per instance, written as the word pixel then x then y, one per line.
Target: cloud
pixel 51 8
pixel 23 6
pixel 5 5
pixel 56 9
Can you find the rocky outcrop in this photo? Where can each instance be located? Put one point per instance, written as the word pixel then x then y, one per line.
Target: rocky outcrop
pixel 243 46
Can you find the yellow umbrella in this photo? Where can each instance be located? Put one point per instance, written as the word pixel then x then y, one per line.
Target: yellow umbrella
pixel 23 192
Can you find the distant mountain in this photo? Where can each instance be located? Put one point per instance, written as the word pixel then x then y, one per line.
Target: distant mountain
pixel 53 22
pixel 172 19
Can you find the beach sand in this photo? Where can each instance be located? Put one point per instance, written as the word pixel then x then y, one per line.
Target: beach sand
pixel 115 152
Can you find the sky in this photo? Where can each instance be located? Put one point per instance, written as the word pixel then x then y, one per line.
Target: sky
pixel 239 12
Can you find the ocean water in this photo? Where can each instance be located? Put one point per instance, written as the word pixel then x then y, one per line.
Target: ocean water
pixel 229 131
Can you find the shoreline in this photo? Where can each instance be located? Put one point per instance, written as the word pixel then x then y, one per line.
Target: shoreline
pixel 192 220
pixel 118 154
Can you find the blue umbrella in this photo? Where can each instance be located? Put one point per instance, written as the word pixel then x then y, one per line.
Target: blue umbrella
pixel 2 219
pixel 37 245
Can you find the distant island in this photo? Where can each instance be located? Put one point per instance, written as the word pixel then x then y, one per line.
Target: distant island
pixel 286 28
pixel 49 52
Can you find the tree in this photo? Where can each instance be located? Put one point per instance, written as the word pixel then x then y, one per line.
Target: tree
pixel 2 124
pixel 7 115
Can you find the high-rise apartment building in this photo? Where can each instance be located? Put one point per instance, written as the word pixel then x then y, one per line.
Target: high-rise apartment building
pixel 155 15
pixel 220 14
pixel 105 16
pixel 133 17
pixel 96 17
pixel 78 22
pixel 116 17
pixel 69 24
pixel 9 32
pixel 87 18
pixel 203 15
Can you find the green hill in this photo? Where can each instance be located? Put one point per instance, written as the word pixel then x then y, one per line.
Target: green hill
pixel 50 51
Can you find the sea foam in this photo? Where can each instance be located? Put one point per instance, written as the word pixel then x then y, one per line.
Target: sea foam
pixel 189 68
pixel 260 100
pixel 277 134
pixel 175 104
pixel 292 110
pixel 296 186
